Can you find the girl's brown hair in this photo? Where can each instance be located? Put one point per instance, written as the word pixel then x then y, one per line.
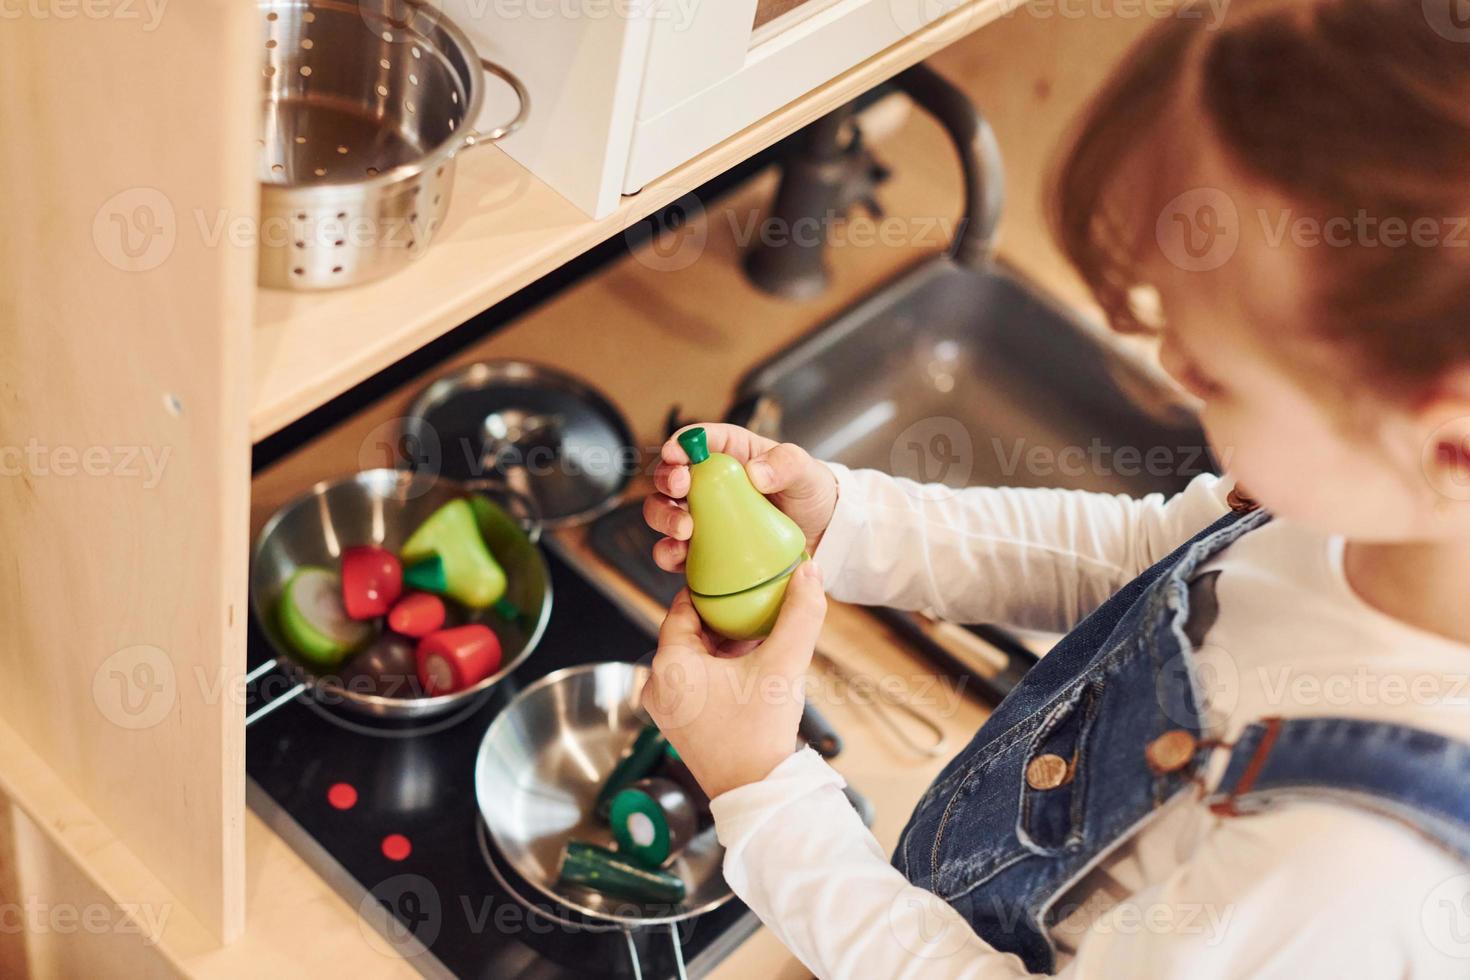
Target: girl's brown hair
pixel 1348 108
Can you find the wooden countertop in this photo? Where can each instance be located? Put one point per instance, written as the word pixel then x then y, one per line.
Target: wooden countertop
pixel 651 338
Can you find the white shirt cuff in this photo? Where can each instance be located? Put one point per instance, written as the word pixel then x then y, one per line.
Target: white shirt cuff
pixel 848 520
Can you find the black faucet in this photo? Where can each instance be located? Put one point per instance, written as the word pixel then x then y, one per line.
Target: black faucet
pixel 827 172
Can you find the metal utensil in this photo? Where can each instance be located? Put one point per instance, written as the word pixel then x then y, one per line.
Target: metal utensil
pixel 885 703
pixel 384 507
pixel 366 104
pixel 540 766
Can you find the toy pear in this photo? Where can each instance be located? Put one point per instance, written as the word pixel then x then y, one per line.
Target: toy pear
pixel 468 570
pixel 743 549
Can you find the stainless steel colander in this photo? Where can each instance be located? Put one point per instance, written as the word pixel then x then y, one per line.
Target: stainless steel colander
pixel 366 104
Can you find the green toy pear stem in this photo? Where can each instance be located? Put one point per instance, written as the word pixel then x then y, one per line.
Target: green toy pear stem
pixel 696 444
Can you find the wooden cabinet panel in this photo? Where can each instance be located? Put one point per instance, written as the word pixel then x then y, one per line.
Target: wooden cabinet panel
pixel 125 310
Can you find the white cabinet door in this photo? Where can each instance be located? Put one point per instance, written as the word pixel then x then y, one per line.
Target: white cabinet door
pixel 715 68
pixel 623 91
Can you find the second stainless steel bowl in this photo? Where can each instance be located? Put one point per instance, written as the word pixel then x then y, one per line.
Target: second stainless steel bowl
pixel 537 776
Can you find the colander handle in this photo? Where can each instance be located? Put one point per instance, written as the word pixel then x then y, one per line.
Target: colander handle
pixel 476 136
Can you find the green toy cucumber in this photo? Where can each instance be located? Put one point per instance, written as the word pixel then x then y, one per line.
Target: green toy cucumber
pixel 313 620
pixel 610 873
pixel 652 820
pixel 640 760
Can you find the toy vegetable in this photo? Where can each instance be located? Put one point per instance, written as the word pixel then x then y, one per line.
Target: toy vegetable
pixel 743 549
pixel 612 874
pixel 454 659
pixel 372 580
pixel 652 820
pixel 313 620
pixel 470 573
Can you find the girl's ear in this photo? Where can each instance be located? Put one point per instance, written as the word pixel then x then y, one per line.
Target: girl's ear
pixel 1444 421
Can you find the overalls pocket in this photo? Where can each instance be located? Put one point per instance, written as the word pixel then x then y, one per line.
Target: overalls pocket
pixel 1033 780
pixel 1054 782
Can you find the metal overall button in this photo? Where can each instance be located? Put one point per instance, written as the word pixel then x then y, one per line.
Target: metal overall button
pixel 1048 771
pixel 1171 751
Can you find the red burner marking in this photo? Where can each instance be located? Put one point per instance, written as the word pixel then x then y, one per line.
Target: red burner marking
pixel 343 796
pixel 396 847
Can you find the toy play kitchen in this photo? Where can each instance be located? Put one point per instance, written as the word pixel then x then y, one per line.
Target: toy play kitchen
pixel 438 743
pixel 403 613
pixel 336 659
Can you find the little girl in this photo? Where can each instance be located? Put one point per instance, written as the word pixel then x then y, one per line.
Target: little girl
pixel 1250 756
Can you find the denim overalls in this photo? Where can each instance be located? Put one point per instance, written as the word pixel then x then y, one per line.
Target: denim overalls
pixel 1105 729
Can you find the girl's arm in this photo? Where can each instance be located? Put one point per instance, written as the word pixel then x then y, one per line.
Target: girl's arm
pixel 1307 891
pixel 1040 559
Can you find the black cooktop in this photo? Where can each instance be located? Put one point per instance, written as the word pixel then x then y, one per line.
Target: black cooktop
pixel 387 815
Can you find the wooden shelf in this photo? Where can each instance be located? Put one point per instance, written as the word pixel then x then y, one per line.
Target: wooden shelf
pixel 505 230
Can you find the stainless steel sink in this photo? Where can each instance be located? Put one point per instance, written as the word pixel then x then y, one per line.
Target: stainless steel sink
pixel 962 376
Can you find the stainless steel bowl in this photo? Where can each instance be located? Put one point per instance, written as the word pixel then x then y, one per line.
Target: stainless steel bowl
pixel 384 507
pixel 538 772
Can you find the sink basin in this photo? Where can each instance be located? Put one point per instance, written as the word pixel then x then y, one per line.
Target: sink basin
pixel 966 376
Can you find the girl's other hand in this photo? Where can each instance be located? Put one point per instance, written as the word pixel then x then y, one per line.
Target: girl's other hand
pixel 732 712
pixel 804 488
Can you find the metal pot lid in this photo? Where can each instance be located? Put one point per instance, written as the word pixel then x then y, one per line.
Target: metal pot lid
pixel 547 434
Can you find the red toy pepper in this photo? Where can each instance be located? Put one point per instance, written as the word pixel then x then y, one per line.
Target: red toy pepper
pixel 454 659
pixel 417 615
pixel 372 580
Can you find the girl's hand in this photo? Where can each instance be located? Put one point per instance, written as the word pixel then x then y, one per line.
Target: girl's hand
pixel 804 488
pixel 733 718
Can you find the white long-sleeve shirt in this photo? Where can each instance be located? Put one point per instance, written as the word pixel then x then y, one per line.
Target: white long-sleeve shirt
pixel 1303 891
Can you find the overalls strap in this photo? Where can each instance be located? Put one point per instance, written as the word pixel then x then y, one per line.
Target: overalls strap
pixel 1417 777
